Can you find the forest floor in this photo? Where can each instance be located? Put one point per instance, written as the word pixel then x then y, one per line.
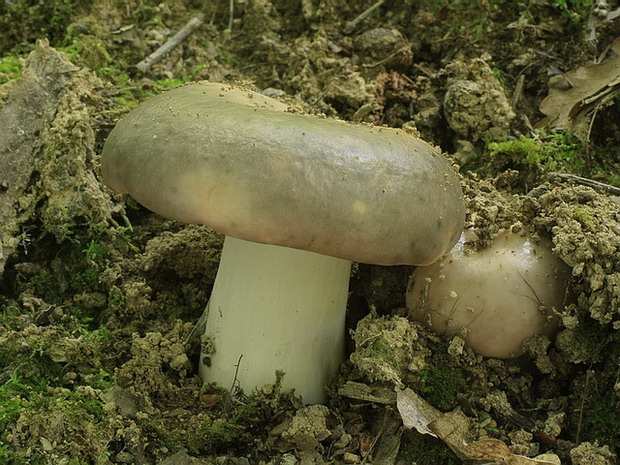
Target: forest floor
pixel 98 295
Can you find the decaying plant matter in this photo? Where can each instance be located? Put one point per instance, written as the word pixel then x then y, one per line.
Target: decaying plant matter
pixel 580 94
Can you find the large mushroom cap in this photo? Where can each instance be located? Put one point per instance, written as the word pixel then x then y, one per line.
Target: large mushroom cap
pixel 236 161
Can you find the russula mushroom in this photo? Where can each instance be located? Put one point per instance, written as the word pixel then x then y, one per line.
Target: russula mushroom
pixel 497 297
pixel 298 198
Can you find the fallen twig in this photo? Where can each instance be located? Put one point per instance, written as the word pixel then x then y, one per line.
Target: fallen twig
pixel 351 25
pixel 231 14
pixel 171 43
pixel 588 182
pixel 402 49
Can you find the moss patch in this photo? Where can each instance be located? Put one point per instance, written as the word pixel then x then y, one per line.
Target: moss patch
pixel 441 385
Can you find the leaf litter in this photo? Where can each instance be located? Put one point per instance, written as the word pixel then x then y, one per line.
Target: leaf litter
pixel 591 88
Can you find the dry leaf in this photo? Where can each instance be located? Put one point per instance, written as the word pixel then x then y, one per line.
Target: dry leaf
pixel 415 411
pixel 453 428
pixel 591 87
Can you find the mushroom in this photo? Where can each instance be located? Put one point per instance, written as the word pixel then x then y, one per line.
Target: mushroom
pixel 496 297
pixel 298 198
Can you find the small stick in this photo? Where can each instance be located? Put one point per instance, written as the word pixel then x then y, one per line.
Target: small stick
pixel 402 49
pixel 518 92
pixel 235 379
pixel 362 16
pixel 231 14
pixel 171 43
pixel 588 182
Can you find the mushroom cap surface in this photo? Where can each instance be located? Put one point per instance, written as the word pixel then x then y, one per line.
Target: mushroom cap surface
pixel 240 163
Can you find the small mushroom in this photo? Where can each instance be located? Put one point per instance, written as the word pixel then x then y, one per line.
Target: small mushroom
pixel 496 298
pixel 298 198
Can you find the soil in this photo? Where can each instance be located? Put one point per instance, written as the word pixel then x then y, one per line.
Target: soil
pixel 98 296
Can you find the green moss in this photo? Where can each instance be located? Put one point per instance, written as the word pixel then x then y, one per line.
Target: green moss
pixel 227 57
pixel 376 349
pixel 440 385
pixel 199 435
pixel 602 420
pixel 10 314
pixel 78 267
pixel 31 415
pixel 532 158
pixel 45 284
pixel 522 150
pixel 584 215
pixel 12 404
pixel 498 73
pixel 88 51
pixel 50 373
pixel 49 352
pixel 599 399
pixel 421 448
pixel 169 83
pixel 84 43
pixel 24 21
pixel 575 11
pixel 556 152
pixel 124 102
pixel 10 68
pixel 232 427
pixel 614 180
pixel 204 434
pixel 128 95
pixel 473 19
pixel 95 258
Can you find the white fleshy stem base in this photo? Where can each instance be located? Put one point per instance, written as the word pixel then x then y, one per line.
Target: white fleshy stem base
pixel 278 309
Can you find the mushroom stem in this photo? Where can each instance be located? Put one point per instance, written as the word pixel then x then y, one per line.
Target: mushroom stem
pixel 276 308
